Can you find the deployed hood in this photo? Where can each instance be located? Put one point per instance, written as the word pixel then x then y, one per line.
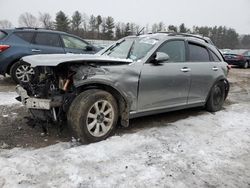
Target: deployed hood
pixel 56 59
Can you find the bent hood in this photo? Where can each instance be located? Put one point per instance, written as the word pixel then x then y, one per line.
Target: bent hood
pixel 56 59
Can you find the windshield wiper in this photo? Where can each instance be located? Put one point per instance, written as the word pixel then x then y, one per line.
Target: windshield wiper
pixel 113 46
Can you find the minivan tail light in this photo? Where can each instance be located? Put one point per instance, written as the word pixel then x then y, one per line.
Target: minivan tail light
pixel 3 47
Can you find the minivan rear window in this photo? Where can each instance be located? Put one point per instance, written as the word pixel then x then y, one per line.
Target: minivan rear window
pixel 2 35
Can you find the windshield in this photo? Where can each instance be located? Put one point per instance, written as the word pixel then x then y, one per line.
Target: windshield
pixel 131 48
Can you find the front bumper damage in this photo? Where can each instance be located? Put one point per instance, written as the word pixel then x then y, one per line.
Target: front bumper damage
pixel 41 109
pixel 32 102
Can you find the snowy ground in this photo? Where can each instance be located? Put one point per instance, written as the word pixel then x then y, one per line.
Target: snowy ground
pixel 192 149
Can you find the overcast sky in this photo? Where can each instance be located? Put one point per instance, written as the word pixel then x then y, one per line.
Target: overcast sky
pixel 230 13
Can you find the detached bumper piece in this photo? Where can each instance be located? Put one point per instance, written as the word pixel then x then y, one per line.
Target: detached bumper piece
pixel 34 103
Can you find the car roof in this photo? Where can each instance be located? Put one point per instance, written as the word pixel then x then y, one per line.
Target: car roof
pixel 27 29
pixel 169 35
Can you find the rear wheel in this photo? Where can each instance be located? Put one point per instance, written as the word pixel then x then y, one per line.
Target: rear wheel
pixel 21 72
pixel 216 98
pixel 245 65
pixel 93 115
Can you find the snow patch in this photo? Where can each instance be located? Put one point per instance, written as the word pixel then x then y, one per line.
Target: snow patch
pixel 8 98
pixel 207 150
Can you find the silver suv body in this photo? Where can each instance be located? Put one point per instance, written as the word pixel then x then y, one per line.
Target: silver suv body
pixel 136 76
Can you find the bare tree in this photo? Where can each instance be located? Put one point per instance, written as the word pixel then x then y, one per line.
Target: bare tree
pixel 27 20
pixel 45 19
pixel 5 24
pixel 85 21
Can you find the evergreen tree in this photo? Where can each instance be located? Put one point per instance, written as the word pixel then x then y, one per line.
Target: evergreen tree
pixel 104 28
pixel 76 22
pixel 182 28
pixel 62 22
pixel 245 41
pixel 118 31
pixel 110 27
pixel 172 28
pixel 127 30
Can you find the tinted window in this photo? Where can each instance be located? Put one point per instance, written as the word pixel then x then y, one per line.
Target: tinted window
pixel 26 36
pixel 215 57
pixel 47 39
pixel 175 50
pixel 2 34
pixel 72 42
pixel 198 53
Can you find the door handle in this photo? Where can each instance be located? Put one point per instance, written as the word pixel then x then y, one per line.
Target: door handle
pixel 36 50
pixel 215 68
pixel 185 69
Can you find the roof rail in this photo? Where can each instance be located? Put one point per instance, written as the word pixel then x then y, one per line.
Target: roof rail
pixel 206 39
pixel 35 28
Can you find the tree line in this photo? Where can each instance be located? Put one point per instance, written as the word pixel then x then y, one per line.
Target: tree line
pixel 105 28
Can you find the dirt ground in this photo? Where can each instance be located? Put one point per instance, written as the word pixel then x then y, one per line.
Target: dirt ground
pixel 15 132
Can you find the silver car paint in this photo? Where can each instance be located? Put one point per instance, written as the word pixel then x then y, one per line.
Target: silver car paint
pixel 147 87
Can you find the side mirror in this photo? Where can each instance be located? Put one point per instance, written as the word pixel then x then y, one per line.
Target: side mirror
pixel 89 48
pixel 161 57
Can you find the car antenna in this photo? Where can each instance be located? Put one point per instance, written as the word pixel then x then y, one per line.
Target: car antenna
pixel 139 33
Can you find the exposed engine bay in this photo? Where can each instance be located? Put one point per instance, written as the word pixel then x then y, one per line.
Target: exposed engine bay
pixel 50 92
pixel 52 89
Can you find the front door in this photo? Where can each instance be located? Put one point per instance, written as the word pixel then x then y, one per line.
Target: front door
pixel 165 84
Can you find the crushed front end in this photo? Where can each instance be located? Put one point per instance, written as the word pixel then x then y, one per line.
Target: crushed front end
pixel 49 94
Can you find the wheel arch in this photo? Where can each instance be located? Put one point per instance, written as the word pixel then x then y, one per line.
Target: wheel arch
pixel 220 79
pixel 11 64
pixel 122 100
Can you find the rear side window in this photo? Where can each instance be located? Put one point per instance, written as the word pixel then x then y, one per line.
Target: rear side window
pixel 2 35
pixel 175 50
pixel 26 36
pixel 198 53
pixel 215 57
pixel 47 39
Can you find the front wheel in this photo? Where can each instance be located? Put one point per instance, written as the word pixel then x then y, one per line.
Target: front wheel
pixel 93 115
pixel 216 97
pixel 21 72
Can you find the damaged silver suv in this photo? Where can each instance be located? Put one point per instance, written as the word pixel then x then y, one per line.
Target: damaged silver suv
pixel 136 76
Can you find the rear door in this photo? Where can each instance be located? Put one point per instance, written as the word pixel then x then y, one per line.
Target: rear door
pixel 204 70
pixel 76 45
pixel 165 84
pixel 47 43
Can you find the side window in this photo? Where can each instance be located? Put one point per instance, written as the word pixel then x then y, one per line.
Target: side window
pixel 47 39
pixel 26 36
pixel 72 42
pixel 175 50
pixel 215 57
pixel 2 34
pixel 198 53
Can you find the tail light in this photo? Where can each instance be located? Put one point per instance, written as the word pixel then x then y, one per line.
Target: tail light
pixel 3 47
pixel 240 57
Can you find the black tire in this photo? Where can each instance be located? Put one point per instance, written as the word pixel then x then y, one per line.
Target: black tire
pixel 216 97
pixel 83 106
pixel 18 70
